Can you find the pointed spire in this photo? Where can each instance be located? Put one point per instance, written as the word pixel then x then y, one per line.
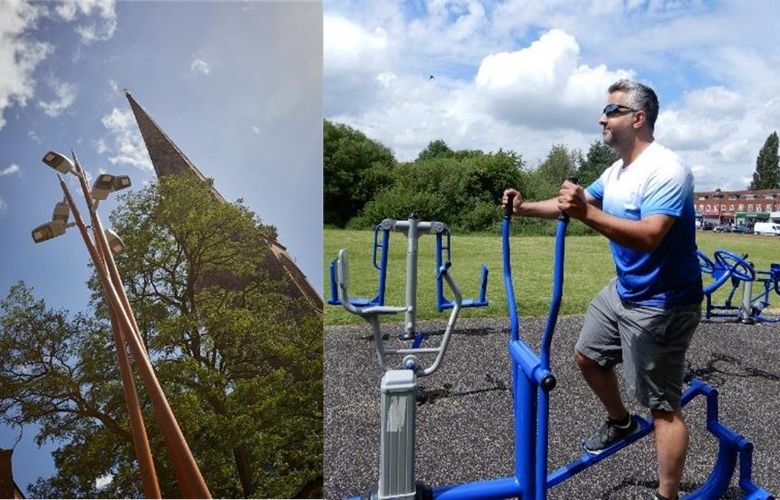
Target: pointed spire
pixel 167 158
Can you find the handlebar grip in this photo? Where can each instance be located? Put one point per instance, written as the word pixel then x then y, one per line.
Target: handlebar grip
pixel 510 198
pixel 573 180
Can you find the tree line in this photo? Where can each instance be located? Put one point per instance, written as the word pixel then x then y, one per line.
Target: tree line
pixel 364 183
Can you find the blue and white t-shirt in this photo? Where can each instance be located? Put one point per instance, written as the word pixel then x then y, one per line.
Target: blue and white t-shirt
pixel 656 182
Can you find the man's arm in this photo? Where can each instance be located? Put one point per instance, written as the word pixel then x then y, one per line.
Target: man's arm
pixel 544 209
pixel 644 235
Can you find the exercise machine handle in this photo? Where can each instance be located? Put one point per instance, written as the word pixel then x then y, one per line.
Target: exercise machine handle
pixel 564 215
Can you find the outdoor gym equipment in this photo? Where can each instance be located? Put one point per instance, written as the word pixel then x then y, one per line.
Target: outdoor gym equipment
pixel 728 266
pixel 532 380
pixel 399 383
pixel 413 228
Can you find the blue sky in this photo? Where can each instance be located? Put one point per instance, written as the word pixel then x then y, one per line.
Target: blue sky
pixel 527 74
pixel 236 85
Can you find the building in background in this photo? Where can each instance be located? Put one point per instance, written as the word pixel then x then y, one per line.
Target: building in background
pixel 8 488
pixel 744 207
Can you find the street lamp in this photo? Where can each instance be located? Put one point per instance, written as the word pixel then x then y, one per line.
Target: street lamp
pixel 124 328
pixel 61 212
pixel 59 162
pixel 47 231
pixel 115 243
pixel 107 183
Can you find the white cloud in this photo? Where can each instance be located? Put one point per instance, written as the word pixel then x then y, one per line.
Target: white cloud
pixel 101 29
pixel 65 95
pixel 19 54
pixel 256 129
pixel 716 100
pixel 524 75
pixel 544 84
pixel 34 137
pixel 3 208
pixel 199 66
pixel 11 169
pixel 125 144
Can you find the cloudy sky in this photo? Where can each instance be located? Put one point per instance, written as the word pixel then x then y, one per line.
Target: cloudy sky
pixel 526 74
pixel 236 85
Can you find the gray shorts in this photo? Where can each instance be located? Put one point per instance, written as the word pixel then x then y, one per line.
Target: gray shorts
pixel 651 342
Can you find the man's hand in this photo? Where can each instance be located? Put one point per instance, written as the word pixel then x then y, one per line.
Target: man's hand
pixel 572 200
pixel 516 201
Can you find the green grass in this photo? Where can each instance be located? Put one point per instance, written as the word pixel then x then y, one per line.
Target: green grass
pixel 588 267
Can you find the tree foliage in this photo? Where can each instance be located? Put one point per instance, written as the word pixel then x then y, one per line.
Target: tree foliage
pixel 240 361
pixel 464 193
pixel 356 168
pixel 598 159
pixel 462 188
pixel 767 173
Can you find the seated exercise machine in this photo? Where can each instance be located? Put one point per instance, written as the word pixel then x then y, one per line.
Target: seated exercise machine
pixel 532 379
pixel 382 230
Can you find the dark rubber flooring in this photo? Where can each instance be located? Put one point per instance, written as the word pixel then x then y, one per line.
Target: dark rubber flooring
pixel 464 430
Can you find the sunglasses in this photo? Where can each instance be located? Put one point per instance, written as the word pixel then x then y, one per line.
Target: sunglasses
pixel 613 109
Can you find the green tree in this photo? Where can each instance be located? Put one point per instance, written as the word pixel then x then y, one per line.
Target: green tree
pixel 464 193
pixel 559 164
pixel 436 149
pixel 240 361
pixel 599 157
pixel 767 173
pixel 355 169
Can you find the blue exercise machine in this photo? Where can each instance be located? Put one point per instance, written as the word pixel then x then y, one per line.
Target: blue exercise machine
pixel 735 269
pixel 533 379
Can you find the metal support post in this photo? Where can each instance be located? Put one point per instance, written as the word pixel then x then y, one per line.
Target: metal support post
pixel 399 411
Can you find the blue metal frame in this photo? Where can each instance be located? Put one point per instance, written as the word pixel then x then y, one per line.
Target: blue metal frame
pixel 771 282
pixel 442 302
pixel 379 299
pixel 721 272
pixel 532 381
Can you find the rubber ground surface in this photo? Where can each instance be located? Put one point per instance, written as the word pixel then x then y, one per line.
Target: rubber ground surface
pixel 464 430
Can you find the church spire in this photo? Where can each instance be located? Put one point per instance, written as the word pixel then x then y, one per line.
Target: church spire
pixel 168 159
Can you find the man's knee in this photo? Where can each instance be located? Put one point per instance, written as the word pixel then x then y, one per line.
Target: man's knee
pixel 667 418
pixel 584 362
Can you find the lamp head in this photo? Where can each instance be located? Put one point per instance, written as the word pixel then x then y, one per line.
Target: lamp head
pixel 61 212
pixel 47 231
pixel 115 243
pixel 107 183
pixel 59 162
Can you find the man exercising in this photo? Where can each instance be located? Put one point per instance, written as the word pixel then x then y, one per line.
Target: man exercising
pixel 646 316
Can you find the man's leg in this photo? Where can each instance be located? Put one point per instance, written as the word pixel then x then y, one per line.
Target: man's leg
pixel 671 444
pixel 603 383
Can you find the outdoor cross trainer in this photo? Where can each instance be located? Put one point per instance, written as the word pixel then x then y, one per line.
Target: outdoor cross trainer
pixel 533 380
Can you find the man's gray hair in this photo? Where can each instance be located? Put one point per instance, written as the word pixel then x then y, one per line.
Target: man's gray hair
pixel 639 97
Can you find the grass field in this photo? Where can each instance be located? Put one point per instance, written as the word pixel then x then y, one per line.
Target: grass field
pixel 588 267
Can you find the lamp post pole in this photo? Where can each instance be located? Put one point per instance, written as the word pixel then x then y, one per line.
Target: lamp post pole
pixel 143 452
pixel 185 467
pixel 126 334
